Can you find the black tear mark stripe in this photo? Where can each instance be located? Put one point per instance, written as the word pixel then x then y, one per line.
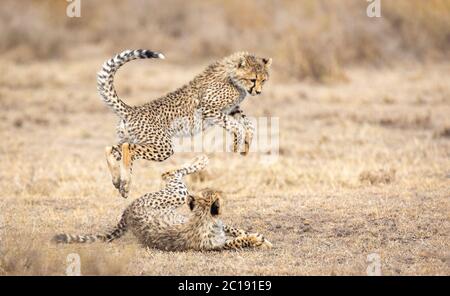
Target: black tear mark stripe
pixel 254 85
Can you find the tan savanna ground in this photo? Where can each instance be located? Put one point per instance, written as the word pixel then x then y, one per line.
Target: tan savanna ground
pixel 363 168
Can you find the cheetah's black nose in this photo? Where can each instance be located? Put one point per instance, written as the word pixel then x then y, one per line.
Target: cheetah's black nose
pixel 258 92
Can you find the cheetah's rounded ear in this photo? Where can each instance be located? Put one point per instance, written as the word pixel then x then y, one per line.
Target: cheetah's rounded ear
pixel 242 63
pixel 191 202
pixel 267 62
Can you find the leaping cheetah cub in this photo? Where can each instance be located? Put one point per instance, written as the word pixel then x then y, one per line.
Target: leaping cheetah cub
pixel 211 98
pixel 155 222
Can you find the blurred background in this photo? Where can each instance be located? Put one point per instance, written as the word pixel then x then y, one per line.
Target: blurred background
pixel 313 39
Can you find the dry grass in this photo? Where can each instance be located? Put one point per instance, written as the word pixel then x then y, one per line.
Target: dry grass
pixel 313 39
pixel 378 177
pixel 330 200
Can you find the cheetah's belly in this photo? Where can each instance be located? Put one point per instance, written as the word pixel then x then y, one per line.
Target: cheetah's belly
pixel 188 126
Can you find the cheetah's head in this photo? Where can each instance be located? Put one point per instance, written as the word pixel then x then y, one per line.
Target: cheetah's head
pixel 250 72
pixel 208 201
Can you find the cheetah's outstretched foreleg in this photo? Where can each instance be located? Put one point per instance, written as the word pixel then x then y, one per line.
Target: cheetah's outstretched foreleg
pixel 231 125
pixel 239 115
pixel 251 240
pixel 249 132
pixel 234 231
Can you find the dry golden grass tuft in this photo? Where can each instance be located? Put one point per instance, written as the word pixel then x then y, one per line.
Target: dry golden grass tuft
pixel 377 177
pixel 443 132
pixel 36 255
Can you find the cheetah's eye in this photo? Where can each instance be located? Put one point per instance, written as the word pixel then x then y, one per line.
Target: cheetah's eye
pixel 253 80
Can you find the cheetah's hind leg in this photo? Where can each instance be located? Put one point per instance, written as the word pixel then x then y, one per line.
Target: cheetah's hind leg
pixel 197 164
pixel 125 171
pixel 148 151
pixel 113 165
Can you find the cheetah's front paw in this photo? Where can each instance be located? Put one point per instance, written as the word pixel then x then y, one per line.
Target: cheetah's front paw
pixel 248 139
pixel 124 188
pixel 246 147
pixel 266 244
pixel 238 147
pixel 257 240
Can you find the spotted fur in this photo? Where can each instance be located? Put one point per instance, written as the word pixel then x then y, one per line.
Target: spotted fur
pixel 211 98
pixel 154 220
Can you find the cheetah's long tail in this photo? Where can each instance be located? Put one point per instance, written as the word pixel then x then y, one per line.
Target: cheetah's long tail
pixel 117 232
pixel 105 77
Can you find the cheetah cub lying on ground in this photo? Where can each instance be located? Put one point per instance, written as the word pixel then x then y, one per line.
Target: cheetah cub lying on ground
pixel 155 222
pixel 211 98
